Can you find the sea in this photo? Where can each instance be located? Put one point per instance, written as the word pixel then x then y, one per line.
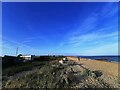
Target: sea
pixel 104 58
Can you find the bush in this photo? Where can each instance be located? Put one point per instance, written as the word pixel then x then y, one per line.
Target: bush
pixel 94 74
pixel 87 72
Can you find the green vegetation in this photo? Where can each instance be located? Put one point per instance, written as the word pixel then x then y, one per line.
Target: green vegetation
pixel 15 67
pixel 18 67
pixel 42 64
pixel 87 72
pixel 93 74
pixel 46 76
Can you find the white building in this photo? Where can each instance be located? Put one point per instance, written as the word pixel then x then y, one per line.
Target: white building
pixel 27 57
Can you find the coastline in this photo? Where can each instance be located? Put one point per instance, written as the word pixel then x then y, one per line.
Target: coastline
pixel 110 68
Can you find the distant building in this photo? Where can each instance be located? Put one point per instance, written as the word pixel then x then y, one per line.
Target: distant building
pixel 28 57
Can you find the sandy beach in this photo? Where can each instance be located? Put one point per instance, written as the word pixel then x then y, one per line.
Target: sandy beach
pixel 107 67
pixel 110 70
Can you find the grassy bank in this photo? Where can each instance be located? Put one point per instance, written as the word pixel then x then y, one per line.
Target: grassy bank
pixel 9 69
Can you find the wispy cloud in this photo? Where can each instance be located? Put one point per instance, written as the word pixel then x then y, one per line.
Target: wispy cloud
pixel 96 34
pixel 89 38
pixel 9 47
pixel 35 39
pixel 92 38
pixel 92 21
pixel 89 23
pixel 107 49
pixel 31 39
pixel 109 10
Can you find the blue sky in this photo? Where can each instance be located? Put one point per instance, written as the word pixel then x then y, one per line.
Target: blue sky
pixel 60 28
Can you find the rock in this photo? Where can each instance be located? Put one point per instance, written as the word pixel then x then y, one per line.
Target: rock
pixel 45 75
pixel 53 73
pixel 85 86
pixel 8 82
pixel 93 75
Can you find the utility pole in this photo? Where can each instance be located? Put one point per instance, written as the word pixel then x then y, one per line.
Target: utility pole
pixel 16 51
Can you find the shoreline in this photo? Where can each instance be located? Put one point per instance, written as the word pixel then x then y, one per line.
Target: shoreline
pixel 111 68
pixel 97 59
